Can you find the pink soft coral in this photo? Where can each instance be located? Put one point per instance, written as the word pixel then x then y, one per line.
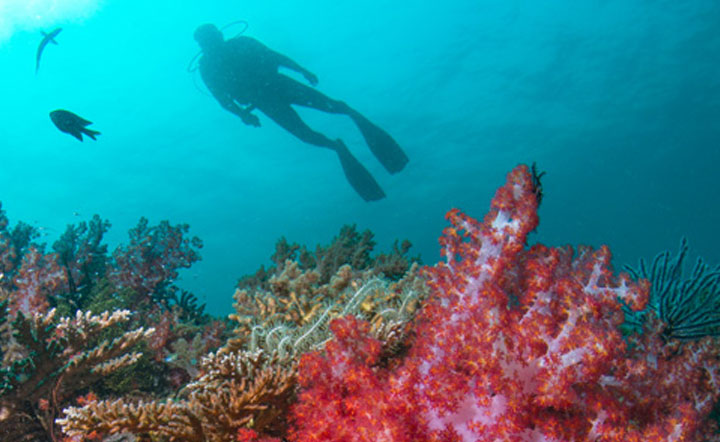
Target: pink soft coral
pixel 515 344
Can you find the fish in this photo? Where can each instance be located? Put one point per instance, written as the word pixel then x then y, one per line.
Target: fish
pixel 47 38
pixel 72 124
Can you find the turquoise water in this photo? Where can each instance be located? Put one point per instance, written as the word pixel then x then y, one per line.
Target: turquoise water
pixel 618 101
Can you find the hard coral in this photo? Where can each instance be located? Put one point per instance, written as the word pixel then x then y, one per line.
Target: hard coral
pixel 56 359
pixel 349 248
pixel 514 343
pixel 235 391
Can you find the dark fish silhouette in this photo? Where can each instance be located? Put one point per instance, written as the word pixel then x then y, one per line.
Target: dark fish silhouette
pixel 47 38
pixel 72 124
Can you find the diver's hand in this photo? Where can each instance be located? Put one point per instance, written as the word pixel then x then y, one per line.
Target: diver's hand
pixel 310 77
pixel 250 119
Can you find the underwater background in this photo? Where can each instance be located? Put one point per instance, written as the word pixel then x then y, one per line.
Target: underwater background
pixel 618 101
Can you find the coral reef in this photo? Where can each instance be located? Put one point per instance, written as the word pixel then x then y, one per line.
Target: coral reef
pixel 298 298
pixel 83 255
pixel 302 285
pixel 14 241
pixel 500 341
pixel 234 391
pixel 47 361
pixel 153 256
pixel 249 383
pixel 514 343
pixel 53 360
pixel 349 247
pixel 38 278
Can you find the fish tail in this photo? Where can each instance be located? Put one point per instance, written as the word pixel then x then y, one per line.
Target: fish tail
pixel 91 133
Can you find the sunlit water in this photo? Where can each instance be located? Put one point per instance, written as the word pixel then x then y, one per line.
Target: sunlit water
pixel 618 101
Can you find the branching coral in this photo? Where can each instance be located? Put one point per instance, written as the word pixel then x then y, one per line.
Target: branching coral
pixel 235 391
pixel 54 360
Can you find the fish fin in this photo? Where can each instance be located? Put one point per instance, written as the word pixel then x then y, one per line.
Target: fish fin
pixel 90 133
pixel 77 135
pixel 54 34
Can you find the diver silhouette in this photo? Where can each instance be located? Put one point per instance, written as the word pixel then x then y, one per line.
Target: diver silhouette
pixel 242 74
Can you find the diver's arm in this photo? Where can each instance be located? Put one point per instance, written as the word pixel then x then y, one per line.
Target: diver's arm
pixel 248 45
pixel 244 113
pixel 227 102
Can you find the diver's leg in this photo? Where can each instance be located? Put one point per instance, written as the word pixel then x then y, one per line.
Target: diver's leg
pixel 286 117
pixel 359 178
pixel 382 145
pixel 303 95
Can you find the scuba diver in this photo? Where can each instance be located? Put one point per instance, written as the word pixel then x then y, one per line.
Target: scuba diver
pixel 242 74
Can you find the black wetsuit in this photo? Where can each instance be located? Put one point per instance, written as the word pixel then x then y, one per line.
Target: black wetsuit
pixel 245 72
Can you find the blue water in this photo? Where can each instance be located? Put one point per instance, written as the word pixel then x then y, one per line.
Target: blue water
pixel 618 101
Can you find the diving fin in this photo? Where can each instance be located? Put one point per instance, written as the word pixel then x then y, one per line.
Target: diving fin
pixel 358 177
pixel 382 145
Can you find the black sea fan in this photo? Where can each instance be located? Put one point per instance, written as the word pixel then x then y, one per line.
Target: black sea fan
pixel 690 307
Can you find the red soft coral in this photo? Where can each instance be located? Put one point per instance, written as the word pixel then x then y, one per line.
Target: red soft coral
pixel 39 276
pixel 344 395
pixel 248 435
pixel 516 344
